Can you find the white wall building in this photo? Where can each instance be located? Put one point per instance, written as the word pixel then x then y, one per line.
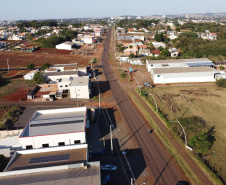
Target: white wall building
pixel 65 45
pixel 80 88
pixel 56 127
pixel 30 75
pixel 183 75
pixel 135 61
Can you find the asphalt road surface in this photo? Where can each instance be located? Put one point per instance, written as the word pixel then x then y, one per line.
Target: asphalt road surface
pixel 163 168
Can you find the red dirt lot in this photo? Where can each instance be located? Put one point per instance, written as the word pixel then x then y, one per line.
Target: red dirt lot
pixel 53 51
pixel 21 59
pixel 19 95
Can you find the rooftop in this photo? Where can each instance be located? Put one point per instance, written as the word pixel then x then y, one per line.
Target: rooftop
pixel 61 73
pixel 80 81
pixel 182 70
pixel 56 121
pixel 179 61
pixel 40 158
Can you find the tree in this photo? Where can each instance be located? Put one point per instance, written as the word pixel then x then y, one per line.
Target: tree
pixel 221 67
pixel 132 55
pixel 130 46
pixel 38 78
pixel 165 52
pixel 159 37
pixel 177 29
pixel 160 48
pixel 31 66
pixel 45 66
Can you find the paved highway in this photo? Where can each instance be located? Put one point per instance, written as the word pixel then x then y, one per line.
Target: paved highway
pixel 163 168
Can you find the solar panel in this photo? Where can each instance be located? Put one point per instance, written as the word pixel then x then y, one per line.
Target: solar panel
pixel 57 123
pixel 47 159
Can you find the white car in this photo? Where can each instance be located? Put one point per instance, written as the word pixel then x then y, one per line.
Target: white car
pixel 108 167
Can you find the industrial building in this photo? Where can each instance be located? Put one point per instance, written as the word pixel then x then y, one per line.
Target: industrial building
pixel 55 127
pixel 57 165
pixel 183 75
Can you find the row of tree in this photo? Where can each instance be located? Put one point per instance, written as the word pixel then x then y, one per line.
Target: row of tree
pixel 35 24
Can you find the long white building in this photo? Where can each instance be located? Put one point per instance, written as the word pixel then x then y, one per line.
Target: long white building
pixel 183 75
pixel 56 127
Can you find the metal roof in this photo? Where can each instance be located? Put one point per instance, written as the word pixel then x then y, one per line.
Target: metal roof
pixel 182 70
pixel 193 64
pixel 179 61
pixel 56 123
pixel 21 161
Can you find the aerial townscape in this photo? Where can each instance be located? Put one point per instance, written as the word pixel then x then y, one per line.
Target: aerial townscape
pixel 112 93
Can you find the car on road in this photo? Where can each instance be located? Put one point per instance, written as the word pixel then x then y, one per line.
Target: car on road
pixel 108 167
pixel 150 131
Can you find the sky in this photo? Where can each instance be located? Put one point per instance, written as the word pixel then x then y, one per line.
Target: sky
pixel 60 9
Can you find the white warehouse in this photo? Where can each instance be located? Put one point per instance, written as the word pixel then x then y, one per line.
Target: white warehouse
pixel 55 127
pixel 65 45
pixel 183 75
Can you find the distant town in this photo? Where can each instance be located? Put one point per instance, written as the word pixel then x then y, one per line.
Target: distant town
pixel 113 100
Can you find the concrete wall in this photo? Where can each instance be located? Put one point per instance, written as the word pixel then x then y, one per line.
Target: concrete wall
pixel 52 140
pixel 79 92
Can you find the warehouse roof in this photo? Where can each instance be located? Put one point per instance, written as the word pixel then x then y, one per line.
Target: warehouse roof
pixel 56 121
pixel 61 73
pixel 182 70
pixel 47 159
pixel 200 60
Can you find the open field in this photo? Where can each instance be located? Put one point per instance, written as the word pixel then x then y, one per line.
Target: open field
pixel 21 59
pixel 205 101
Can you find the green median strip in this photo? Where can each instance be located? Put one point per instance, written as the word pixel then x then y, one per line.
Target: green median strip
pixel 177 157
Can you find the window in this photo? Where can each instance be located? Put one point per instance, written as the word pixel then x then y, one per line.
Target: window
pixel 151 65
pixel 45 145
pixel 29 147
pixel 66 85
pixel 61 85
pixel 77 141
pixel 158 75
pixel 61 143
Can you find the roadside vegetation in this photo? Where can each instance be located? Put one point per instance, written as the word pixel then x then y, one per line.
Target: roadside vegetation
pixel 9 115
pixel 194 107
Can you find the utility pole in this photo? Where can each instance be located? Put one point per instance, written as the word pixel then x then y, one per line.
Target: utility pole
pixel 8 63
pixel 111 139
pixel 99 104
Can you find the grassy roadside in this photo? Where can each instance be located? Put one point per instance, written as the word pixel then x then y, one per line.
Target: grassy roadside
pixel 177 157
pixel 210 174
pixel 200 163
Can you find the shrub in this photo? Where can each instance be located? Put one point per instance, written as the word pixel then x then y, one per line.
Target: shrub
pixel 31 66
pixel 221 82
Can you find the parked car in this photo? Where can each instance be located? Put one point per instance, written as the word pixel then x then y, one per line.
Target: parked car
pixel 108 167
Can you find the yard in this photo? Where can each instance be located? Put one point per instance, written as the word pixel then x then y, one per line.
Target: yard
pixel 205 101
pixel 14 88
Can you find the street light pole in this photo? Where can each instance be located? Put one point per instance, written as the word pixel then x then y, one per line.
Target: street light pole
pixel 111 137
pixel 156 106
pixel 183 131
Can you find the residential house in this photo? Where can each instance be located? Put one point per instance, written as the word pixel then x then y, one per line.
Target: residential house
pixel 144 52
pixel 174 52
pixel 155 52
pixel 158 44
pixel 128 51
